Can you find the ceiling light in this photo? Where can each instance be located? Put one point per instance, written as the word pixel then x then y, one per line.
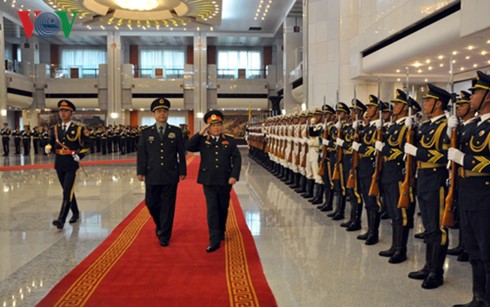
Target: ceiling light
pixel 429 68
pixel 484 52
pixel 462 68
pixel 427 61
pixel 140 5
pixel 488 41
pixel 470 47
pixel 416 64
pixel 440 57
pixel 426 80
pixel 467 57
pixel 398 79
pixel 441 65
pixel 454 52
pixel 475 65
pixel 420 71
pixel 397 71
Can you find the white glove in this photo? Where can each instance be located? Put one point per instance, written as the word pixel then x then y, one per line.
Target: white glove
pixel 408 122
pixel 410 149
pixel 455 155
pixel 76 157
pixel 452 123
pixel 338 125
pixel 379 124
pixel 355 124
pixel 324 142
pixel 339 142
pixel 47 149
pixel 379 145
pixel 356 145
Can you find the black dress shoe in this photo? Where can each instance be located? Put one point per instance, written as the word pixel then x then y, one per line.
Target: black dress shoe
pixel 211 248
pixel 363 236
pixel 421 274
pixel 346 224
pixel 432 281
pixel 387 253
pixel 473 303
pixel 74 219
pixel 398 257
pixel 163 243
pixel 463 257
pixel 455 251
pixel 338 217
pixel 354 227
pixel 420 235
pixel 58 224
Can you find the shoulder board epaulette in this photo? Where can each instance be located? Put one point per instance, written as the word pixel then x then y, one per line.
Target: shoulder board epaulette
pixel 227 134
pixel 425 121
pixel 145 128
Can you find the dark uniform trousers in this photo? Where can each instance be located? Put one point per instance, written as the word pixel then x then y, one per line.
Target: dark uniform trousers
pixel 474 203
pixel 431 191
pixel 75 140
pixel 220 161
pixel 161 160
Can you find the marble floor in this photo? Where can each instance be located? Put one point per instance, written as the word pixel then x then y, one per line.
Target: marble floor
pixel 308 259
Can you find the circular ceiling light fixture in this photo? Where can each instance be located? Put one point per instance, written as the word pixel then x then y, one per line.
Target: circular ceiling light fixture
pixel 137 5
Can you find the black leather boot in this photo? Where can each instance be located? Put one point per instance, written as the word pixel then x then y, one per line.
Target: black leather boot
pixel 302 185
pixel 436 274
pixel 328 204
pixel 457 250
pixel 373 231
pixel 341 209
pixel 295 184
pixel 309 189
pixel 291 176
pixel 422 273
pixel 74 209
pixel 60 222
pixel 365 235
pixel 479 281
pixel 400 254
pixel 318 199
pixel 389 252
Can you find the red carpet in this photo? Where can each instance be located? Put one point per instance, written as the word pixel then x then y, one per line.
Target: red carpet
pixel 130 268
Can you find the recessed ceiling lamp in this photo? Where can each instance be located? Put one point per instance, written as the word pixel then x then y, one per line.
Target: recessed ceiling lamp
pixel 138 5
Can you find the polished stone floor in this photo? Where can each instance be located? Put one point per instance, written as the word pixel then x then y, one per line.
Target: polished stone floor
pixel 308 259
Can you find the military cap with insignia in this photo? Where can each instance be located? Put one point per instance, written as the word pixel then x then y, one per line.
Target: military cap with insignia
pixel 386 107
pixel 437 93
pixel 356 103
pixel 318 111
pixel 374 101
pixel 160 103
pixel 342 107
pixel 213 116
pixel 65 104
pixel 328 109
pixel 412 103
pixel 401 96
pixel 482 82
pixel 464 97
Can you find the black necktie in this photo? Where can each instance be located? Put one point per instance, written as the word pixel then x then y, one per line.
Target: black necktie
pixel 64 129
pixel 161 132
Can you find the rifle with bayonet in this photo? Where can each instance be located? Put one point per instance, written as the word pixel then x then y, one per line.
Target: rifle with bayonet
pixel 352 180
pixel 374 187
pixel 448 217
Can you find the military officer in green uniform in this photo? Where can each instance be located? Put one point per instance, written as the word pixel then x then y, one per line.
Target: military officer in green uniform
pixel 218 172
pixel 161 164
pixel 71 143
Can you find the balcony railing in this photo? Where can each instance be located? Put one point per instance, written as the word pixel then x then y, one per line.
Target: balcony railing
pixel 74 73
pixel 164 73
pixel 241 73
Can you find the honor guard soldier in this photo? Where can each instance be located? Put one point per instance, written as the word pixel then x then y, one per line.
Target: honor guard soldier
pixel 17 139
pixel 431 154
pixel 36 135
pixel 26 139
pixel 392 176
pixel 219 170
pixel 469 122
pixel 6 132
pixel 474 191
pixel 44 138
pixel 161 164
pixel 71 143
pixel 302 141
pixel 328 157
pixel 343 117
pixel 312 166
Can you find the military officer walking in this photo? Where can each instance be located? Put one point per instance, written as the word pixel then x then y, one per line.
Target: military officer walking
pixel 70 142
pixel 218 172
pixel 161 164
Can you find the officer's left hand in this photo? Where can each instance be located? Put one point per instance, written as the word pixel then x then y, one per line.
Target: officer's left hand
pixel 455 155
pixel 231 181
pixel 356 145
pixel 410 149
pixel 76 157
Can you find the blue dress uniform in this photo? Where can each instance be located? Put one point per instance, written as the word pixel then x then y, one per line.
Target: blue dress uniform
pixel 367 139
pixel 474 194
pixel 329 163
pixel 392 176
pixel 339 183
pixel 6 139
pixel 431 155
pixel 220 161
pixel 74 141
pixel 161 159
